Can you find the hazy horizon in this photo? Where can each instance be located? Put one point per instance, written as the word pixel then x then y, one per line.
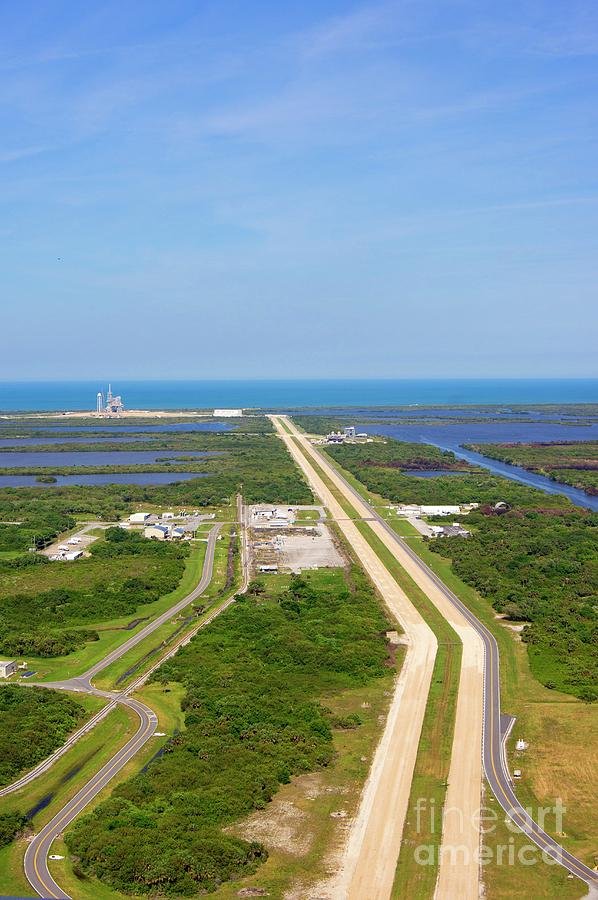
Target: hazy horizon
pixel 377 188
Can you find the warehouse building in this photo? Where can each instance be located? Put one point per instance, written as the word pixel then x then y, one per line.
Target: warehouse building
pixel 157 532
pixel 7 668
pixel 139 518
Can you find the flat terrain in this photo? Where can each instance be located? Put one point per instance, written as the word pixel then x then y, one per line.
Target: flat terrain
pixel 571 463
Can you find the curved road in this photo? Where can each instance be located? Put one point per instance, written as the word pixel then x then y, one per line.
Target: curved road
pixel 82 683
pixel 495 766
pixel 36 856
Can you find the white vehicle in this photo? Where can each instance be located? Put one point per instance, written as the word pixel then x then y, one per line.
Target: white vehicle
pixel 517 773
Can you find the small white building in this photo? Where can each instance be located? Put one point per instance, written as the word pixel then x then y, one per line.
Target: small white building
pixel 139 518
pixel 72 555
pixel 407 510
pixel 440 510
pixel 167 515
pixel 349 431
pixel 157 532
pixel 268 570
pixel 7 668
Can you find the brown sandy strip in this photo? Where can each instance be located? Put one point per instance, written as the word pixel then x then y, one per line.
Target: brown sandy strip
pixel 374 841
pixel 459 865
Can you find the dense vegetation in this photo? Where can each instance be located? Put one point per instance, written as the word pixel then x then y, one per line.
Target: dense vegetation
pixel 44 605
pixel 253 719
pixel 34 722
pixel 38 523
pixel 378 466
pixel 537 563
pixel 572 463
pixel 36 426
pixel 10 824
pixel 333 420
pixel 542 569
pixel 255 464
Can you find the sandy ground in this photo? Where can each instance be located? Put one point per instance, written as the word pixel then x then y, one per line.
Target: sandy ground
pixel 374 841
pixel 459 869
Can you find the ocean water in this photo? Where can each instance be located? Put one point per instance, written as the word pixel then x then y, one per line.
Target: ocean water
pixel 285 394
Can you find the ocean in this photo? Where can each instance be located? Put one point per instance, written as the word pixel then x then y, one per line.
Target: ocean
pixel 287 394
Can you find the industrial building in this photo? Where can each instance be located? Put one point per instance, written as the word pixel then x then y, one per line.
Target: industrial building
pixel 228 413
pixel 139 518
pixel 72 555
pixel 7 668
pixel 414 510
pixel 157 532
pixel 272 517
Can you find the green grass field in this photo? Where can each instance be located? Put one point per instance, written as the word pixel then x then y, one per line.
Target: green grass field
pixel 110 636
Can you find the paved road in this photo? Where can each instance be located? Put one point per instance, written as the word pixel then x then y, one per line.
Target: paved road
pixel 164 617
pixel 495 766
pixel 36 856
pixel 82 683
pixel 374 840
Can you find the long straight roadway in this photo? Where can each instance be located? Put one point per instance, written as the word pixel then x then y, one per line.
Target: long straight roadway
pixel 374 841
pixel 366 854
pixel 493 757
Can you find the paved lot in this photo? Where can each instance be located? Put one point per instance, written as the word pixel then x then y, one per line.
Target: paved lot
pixel 309 548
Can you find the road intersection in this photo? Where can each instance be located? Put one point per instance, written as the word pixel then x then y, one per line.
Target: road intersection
pixel 36 856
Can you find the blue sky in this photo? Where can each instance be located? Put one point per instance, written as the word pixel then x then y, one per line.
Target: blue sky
pixel 394 189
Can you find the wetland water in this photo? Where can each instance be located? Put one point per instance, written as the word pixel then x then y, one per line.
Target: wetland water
pixel 132 429
pixel 59 459
pixel 142 478
pixel 58 439
pixel 452 437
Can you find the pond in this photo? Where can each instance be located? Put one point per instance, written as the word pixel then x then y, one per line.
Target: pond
pixel 58 459
pixel 142 478
pixel 58 439
pixel 137 429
